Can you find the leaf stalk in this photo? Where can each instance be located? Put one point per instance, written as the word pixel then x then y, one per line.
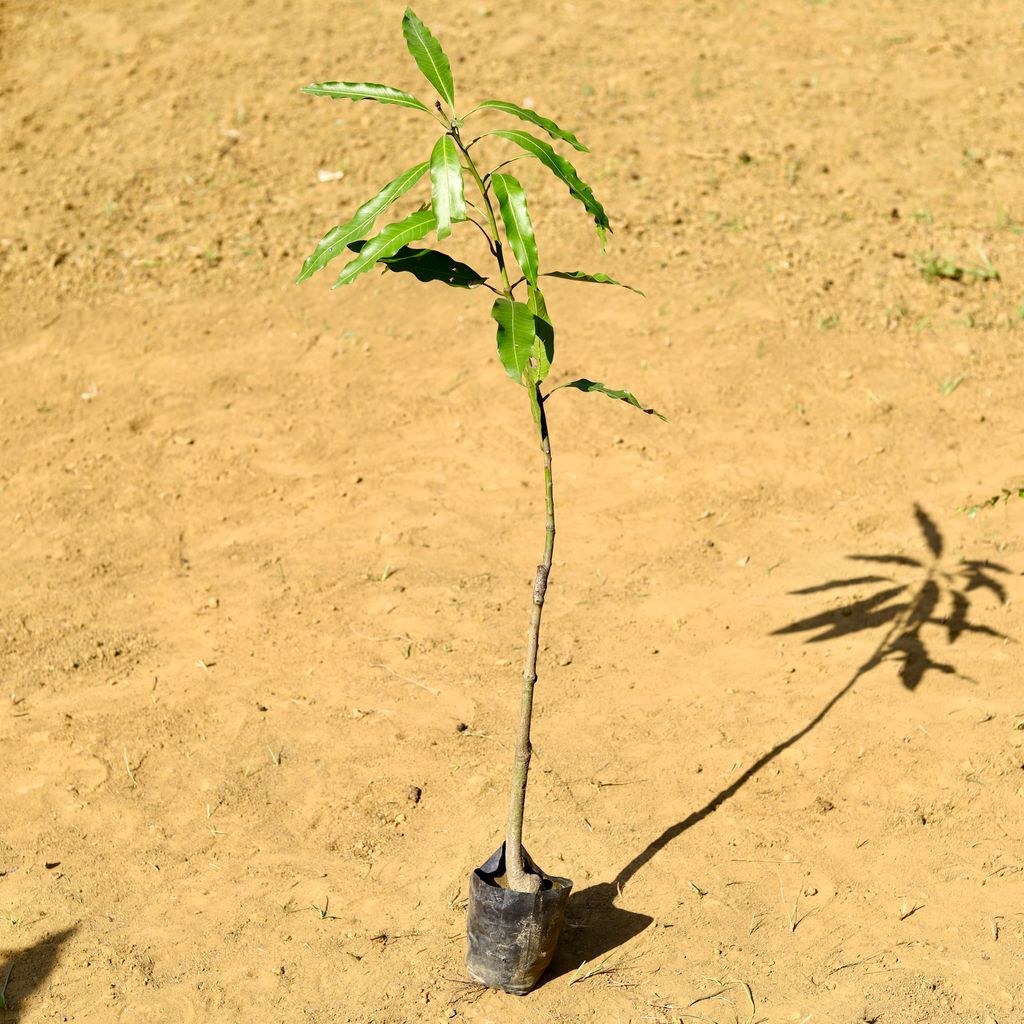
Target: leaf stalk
pixel 495 234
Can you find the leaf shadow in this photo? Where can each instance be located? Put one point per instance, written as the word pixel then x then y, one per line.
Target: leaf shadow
pixel 931 597
pixel 27 969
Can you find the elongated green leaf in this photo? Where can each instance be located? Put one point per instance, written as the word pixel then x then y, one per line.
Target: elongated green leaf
pixel 533 118
pixel 536 301
pixel 518 226
pixel 544 345
pixel 578 275
pixel 516 334
pixel 428 265
pixel 562 169
pixel 387 243
pixel 622 396
pixel 338 237
pixel 448 197
pixel 364 91
pixel 429 56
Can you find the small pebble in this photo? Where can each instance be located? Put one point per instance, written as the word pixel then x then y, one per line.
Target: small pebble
pixel 414 793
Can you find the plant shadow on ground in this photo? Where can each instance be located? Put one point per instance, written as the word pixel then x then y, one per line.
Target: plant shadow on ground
pixel 24 971
pixel 929 596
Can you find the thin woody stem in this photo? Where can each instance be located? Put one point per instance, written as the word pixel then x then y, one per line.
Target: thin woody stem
pixel 516 875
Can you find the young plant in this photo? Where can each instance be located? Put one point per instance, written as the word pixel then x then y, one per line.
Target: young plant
pixel 1004 496
pixel 934 267
pixel 497 207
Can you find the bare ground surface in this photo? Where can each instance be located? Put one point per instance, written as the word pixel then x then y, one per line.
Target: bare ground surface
pixel 267 551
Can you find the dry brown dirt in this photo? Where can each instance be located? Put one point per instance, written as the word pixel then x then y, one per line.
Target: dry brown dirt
pixel 267 551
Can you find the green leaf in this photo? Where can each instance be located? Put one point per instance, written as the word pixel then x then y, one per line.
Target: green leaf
pixel 364 91
pixel 429 56
pixel 622 396
pixel 338 237
pixel 541 122
pixel 518 226
pixel 562 169
pixel 429 265
pixel 516 335
pixel 448 197
pixel 388 243
pixel 578 275
pixel 536 301
pixel 544 345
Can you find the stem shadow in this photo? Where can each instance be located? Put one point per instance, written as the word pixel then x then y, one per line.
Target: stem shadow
pixel 930 597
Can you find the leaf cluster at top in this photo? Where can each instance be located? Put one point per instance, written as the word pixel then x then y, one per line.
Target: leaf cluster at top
pixel 525 333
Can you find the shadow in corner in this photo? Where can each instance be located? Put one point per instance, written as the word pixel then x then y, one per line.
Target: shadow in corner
pixel 928 596
pixel 24 972
pixel 593 927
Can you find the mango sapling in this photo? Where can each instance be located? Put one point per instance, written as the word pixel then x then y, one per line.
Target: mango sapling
pixel 515 909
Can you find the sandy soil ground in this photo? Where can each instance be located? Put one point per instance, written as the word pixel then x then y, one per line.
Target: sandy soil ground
pixel 267 551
